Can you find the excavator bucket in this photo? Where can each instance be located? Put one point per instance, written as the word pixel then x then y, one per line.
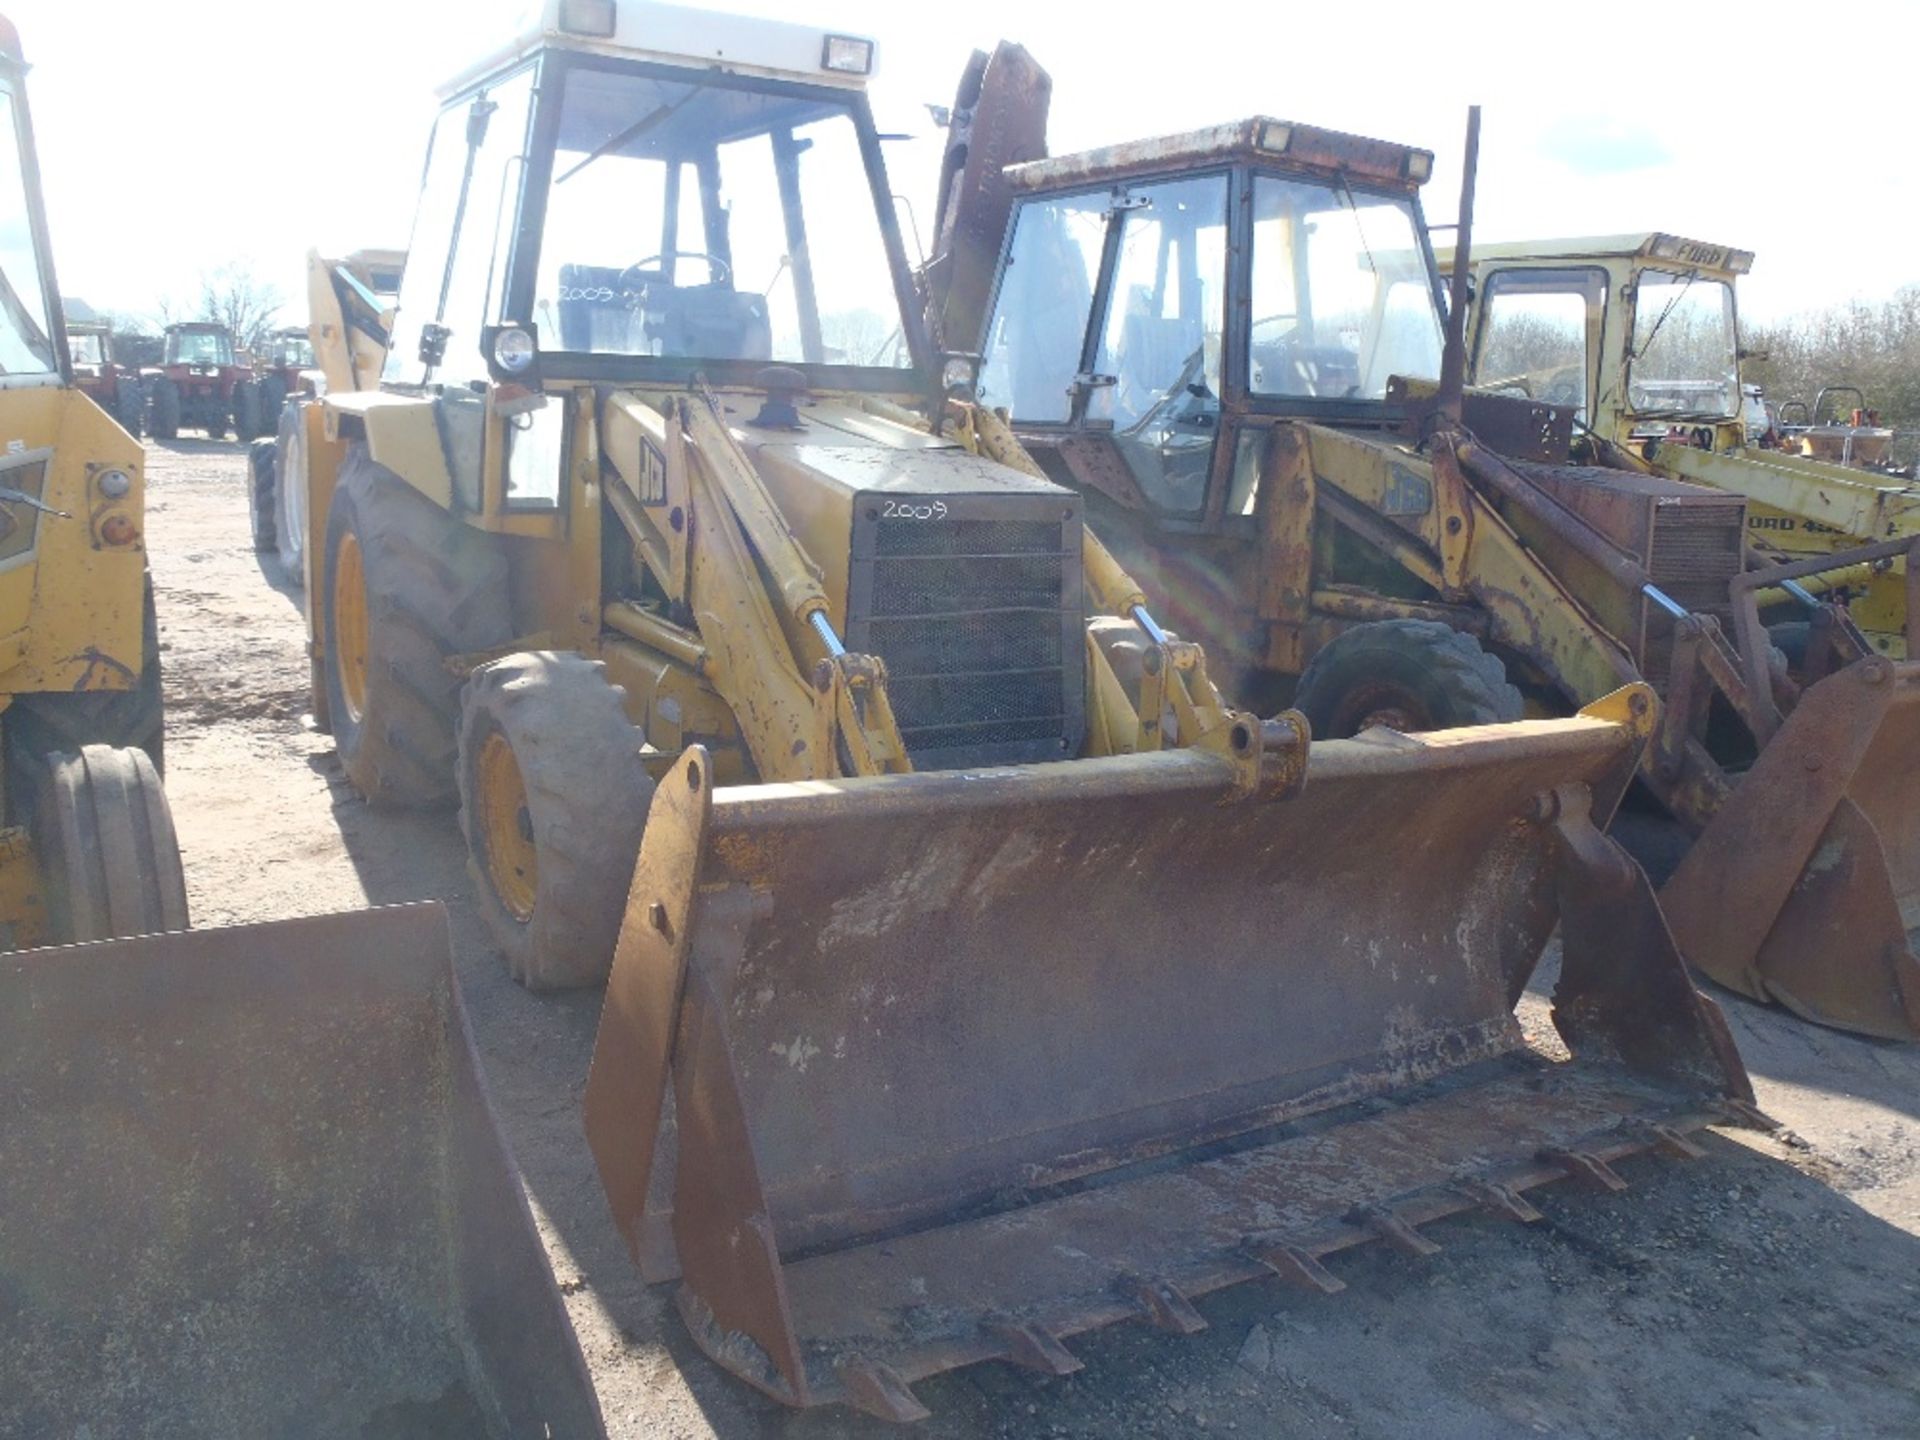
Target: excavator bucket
pixel 251 1186
pixel 966 1063
pixel 1802 888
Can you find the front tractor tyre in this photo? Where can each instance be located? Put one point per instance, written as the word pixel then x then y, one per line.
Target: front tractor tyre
pixel 163 410
pixel 553 800
pixel 1408 675
pixel 109 861
pixel 404 588
pixel 131 411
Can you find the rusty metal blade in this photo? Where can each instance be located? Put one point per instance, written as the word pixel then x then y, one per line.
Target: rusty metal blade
pixel 252 1186
pixel 1795 892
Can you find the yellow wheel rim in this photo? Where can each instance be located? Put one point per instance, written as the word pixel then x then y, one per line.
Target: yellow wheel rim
pixel 350 625
pixel 507 827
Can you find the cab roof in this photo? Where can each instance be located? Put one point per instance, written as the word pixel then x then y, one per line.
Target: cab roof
pixel 1652 245
pixel 679 35
pixel 1259 138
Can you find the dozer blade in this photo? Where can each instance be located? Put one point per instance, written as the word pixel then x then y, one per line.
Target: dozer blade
pixel 250 1185
pixel 965 1063
pixel 1802 887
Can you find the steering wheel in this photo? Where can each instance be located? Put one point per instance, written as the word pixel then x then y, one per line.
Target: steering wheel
pixel 721 269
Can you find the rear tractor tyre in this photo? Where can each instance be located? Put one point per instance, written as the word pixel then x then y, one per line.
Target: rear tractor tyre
pixel 405 587
pixel 132 409
pixel 553 801
pixel 263 497
pixel 273 399
pixel 290 488
pixel 248 423
pixel 163 410
pixel 1409 675
pixel 108 856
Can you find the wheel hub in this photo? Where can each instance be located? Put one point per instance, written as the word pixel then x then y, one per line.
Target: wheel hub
pixel 350 643
pixel 506 827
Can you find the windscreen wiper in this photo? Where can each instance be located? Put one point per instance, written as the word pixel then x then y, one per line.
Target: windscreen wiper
pixel 632 132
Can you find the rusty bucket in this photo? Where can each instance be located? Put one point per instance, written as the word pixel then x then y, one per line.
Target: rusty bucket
pixel 963 1064
pixel 1802 887
pixel 250 1185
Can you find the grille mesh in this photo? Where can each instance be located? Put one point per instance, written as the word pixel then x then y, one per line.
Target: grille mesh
pixel 978 621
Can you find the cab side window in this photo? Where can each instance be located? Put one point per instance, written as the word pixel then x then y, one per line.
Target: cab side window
pixel 1540 332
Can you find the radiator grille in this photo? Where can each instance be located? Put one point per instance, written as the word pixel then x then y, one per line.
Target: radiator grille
pixel 979 617
pixel 1697 548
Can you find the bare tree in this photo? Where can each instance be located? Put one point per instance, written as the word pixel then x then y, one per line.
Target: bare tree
pixel 232 297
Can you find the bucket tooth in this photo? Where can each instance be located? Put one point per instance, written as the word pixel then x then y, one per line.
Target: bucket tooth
pixel 1299 1267
pixel 1166 1308
pixel 1587 1168
pixel 1032 1348
pixel 879 1391
pixel 1390 1226
pixel 1675 1145
pixel 1744 1113
pixel 1501 1200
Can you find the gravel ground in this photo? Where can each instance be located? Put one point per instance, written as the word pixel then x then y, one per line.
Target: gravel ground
pixel 1769 1290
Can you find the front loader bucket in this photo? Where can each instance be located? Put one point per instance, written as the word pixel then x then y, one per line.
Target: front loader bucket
pixel 1803 886
pixel 250 1186
pixel 965 1063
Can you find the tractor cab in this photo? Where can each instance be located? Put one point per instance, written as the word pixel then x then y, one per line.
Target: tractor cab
pixel 1638 333
pixel 1163 304
pixel 202 349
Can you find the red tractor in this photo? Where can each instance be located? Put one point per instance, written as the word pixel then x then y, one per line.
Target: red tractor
pixel 114 387
pixel 284 365
pixel 201 384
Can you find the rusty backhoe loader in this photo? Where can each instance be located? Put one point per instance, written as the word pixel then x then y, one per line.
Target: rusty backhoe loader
pixel 1227 395
pixel 958 887
pixel 249 1183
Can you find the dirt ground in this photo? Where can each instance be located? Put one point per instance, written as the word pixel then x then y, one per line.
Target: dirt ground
pixel 1770 1289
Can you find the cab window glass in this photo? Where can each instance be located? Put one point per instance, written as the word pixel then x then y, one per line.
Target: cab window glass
pixel 1538 333
pixel 1159 357
pixel 1683 347
pixel 26 333
pixel 1032 347
pixel 459 267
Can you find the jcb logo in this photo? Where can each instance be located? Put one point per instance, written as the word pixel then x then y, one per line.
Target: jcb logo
pixel 1407 493
pixel 653 473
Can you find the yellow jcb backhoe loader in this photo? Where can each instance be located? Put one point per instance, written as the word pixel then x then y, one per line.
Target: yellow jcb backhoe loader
pixel 958 889
pixel 249 1184
pixel 1205 334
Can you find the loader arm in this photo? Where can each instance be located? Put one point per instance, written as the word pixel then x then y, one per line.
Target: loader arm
pixel 1464 547
pixel 703 524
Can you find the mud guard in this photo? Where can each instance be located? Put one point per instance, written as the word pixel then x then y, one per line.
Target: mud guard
pixel 966 1063
pixel 252 1186
pixel 1801 888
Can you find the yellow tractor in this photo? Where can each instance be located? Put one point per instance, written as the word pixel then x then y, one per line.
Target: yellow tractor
pixel 1228 341
pixel 251 1184
pixel 1639 335
pixel 935 877
pixel 87 846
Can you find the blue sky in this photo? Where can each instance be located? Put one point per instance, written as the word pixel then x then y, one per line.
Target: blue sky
pixel 186 140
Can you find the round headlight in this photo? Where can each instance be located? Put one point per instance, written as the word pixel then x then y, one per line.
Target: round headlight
pixel 513 350
pixel 957 375
pixel 115 484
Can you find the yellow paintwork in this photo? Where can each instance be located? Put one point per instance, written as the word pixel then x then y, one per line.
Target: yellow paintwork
pixel 348 358
pixel 70 610
pixel 402 434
